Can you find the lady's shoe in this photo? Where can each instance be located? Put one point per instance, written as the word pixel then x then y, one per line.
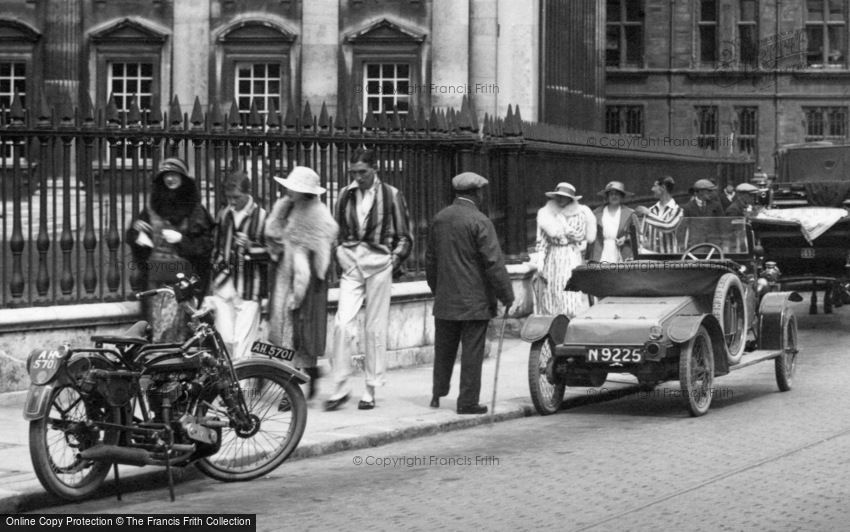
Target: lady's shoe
pixel 366 405
pixel 333 404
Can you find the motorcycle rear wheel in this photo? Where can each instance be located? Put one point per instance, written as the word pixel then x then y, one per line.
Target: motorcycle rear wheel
pixel 277 404
pixel 54 451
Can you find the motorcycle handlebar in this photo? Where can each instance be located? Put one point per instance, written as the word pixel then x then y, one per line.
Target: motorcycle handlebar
pixel 148 293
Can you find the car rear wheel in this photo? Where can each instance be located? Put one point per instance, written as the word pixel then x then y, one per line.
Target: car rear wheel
pixel 545 395
pixel 728 308
pixel 696 372
pixel 786 363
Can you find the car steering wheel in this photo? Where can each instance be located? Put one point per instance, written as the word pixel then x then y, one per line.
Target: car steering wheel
pixel 689 253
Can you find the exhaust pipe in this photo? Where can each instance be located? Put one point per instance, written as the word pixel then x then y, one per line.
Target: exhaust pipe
pixel 118 455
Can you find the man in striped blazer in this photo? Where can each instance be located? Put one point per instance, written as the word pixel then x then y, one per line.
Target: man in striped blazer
pixel 239 273
pixel 374 241
pixel 661 221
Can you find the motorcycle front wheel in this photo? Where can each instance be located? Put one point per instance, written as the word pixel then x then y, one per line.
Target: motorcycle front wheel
pixel 277 407
pixel 57 438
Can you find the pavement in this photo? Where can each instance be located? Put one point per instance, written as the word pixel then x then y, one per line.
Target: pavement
pixel 401 413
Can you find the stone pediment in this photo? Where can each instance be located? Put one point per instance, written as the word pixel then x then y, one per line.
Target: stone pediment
pixel 128 30
pixel 256 32
pixel 13 30
pixel 385 32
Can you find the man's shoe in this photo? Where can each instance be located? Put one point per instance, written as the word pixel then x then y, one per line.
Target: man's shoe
pixel 366 405
pixel 333 404
pixel 435 402
pixel 472 409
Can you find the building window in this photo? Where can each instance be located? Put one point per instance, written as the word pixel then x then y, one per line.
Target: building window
pixel 826 30
pixel 259 83
pixel 747 127
pixel 386 87
pixel 13 82
pixel 748 40
pixel 624 33
pixel 131 82
pixel 624 119
pixel 707 27
pixel 707 127
pixel 825 123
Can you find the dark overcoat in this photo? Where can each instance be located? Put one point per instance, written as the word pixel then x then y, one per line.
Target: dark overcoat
pixel 464 264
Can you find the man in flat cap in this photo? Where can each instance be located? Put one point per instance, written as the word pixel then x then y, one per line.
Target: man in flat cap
pixel 466 272
pixel 742 205
pixel 703 204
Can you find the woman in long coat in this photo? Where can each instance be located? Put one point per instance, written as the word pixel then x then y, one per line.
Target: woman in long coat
pixel 300 233
pixel 564 228
pixel 613 224
pixel 172 234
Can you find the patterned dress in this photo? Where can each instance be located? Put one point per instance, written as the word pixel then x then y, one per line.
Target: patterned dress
pixel 559 246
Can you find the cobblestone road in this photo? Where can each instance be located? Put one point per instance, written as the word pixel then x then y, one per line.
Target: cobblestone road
pixel 760 460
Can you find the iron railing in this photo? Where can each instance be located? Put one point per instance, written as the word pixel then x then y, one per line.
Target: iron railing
pixel 74 179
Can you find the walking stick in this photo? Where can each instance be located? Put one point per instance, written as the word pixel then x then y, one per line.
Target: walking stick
pixel 498 358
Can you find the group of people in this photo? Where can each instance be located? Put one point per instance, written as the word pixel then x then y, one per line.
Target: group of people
pixel 568 233
pixel 368 238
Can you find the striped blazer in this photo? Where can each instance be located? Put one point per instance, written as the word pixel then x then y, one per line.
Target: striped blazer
pixel 387 228
pixel 250 277
pixel 660 227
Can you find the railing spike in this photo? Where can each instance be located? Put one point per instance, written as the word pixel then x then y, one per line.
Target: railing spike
pixel 370 123
pixel 197 118
pixel 255 119
pixel 175 115
pixel 112 116
pixel 217 118
pixel 273 116
pixel 289 121
pixel 307 117
pixel 87 110
pixel 17 113
pixel 324 120
pixel 354 118
pixel 155 118
pixel 134 116
pixel 44 117
pixel 234 119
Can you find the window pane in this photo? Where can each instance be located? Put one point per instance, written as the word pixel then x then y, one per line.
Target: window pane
pixel 708 10
pixel 837 122
pixel 373 70
pixel 243 72
pixel 836 44
pixel 814 9
pixel 244 86
pixel 132 69
pixel 749 44
pixel 259 86
pixel 634 120
pixel 836 9
pixel 388 71
pixel 5 69
pixel 612 46
pixel 403 87
pixel 634 10
pixel 612 11
pixel 373 87
pixel 814 36
pixel 117 69
pixel 274 86
pixel 634 45
pixel 5 86
pixel 612 119
pixel 259 70
pixel 403 70
pixel 748 10
pixel 708 44
pixel 146 70
pixel 274 70
pixel 403 105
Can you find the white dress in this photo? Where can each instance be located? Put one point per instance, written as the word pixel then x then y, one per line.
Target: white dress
pixel 610 226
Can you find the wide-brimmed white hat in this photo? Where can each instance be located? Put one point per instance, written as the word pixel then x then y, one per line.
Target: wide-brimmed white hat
pixel 564 189
pixel 302 179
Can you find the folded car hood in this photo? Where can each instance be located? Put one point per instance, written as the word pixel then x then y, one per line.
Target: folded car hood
pixel 625 320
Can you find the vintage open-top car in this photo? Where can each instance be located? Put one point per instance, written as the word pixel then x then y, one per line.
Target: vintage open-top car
pixel 688 315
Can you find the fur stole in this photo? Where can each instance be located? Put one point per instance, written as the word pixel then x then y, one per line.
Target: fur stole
pixel 551 219
pixel 306 227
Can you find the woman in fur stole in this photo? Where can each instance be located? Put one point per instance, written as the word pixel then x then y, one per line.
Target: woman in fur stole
pixel 564 228
pixel 300 234
pixel 172 234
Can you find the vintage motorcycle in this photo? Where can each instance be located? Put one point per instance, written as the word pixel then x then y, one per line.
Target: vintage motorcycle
pixel 143 403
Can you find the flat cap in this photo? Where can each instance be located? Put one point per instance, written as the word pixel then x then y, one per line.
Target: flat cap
pixel 704 184
pixel 746 187
pixel 468 181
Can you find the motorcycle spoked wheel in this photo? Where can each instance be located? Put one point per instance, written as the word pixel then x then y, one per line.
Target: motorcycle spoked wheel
pixel 276 404
pixel 57 438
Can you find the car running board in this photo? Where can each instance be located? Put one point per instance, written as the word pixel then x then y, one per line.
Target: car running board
pixel 755 357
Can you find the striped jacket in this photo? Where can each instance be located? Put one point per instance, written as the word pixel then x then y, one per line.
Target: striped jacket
pixel 661 227
pixel 250 277
pixel 387 229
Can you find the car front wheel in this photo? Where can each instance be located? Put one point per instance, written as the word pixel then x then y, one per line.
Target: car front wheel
pixel 545 395
pixel 696 372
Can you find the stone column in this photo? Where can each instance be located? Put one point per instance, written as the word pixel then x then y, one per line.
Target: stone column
pixel 483 58
pixel 450 52
pixel 320 55
pixel 190 53
pixel 62 48
pixel 518 66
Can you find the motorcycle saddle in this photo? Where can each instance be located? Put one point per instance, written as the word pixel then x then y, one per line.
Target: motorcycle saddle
pixel 136 335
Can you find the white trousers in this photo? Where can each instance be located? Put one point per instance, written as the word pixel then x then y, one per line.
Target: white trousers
pixel 376 289
pixel 238 322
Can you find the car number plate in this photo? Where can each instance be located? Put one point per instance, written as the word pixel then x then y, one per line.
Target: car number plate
pixel 273 351
pixel 615 354
pixel 807 253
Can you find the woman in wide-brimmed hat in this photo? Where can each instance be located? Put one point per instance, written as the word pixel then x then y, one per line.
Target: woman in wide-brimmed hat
pixel 300 233
pixel 564 228
pixel 613 223
pixel 172 234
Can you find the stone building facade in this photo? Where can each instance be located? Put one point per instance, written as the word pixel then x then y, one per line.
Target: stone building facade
pixel 542 55
pixel 734 75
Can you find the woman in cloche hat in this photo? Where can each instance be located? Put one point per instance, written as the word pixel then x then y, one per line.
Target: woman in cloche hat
pixel 564 228
pixel 300 233
pixel 613 222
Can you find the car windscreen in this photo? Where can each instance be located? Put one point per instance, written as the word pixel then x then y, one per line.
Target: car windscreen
pixel 729 234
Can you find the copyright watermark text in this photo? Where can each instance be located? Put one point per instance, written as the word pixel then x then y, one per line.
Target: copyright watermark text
pixel 432 460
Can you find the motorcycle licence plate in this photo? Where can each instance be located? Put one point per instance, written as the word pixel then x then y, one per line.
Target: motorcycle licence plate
pixel 615 354
pixel 273 351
